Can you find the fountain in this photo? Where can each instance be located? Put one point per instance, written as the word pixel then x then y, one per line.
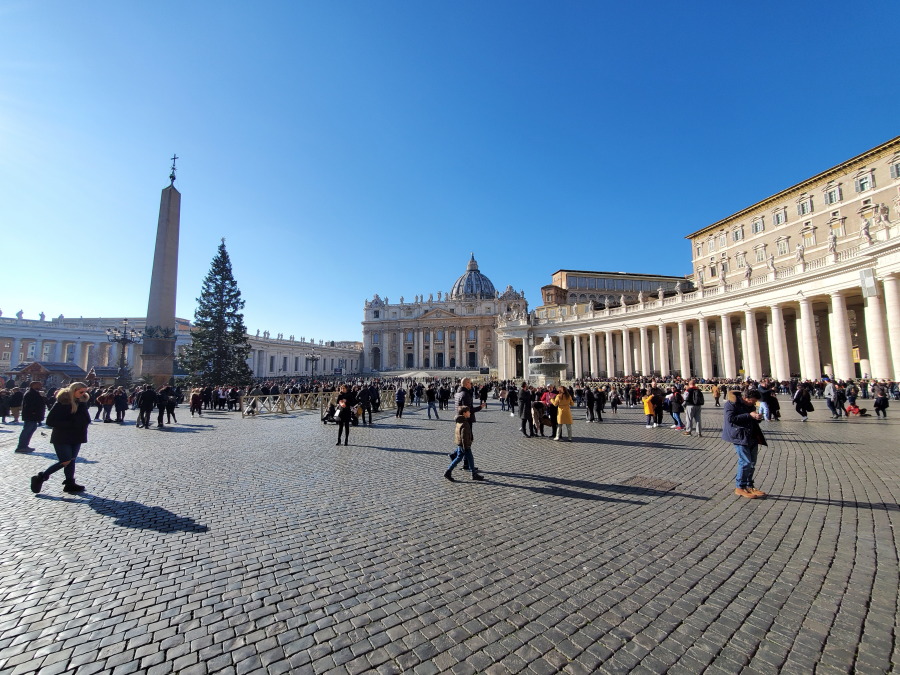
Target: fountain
pixel 544 367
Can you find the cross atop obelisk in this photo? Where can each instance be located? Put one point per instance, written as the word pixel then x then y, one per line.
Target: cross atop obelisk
pixel 159 334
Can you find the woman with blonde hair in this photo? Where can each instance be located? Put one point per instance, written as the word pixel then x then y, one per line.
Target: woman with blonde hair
pixel 69 419
pixel 563 402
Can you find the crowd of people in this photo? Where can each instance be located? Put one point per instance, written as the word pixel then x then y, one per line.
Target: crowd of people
pixel 540 409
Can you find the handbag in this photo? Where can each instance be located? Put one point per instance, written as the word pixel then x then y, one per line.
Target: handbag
pixel 810 407
pixel 546 421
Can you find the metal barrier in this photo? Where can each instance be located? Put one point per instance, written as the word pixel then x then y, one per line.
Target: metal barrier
pixel 283 404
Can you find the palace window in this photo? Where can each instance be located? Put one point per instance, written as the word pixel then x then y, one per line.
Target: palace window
pixel 833 195
pixel 780 216
pixel 895 169
pixel 699 250
pixel 865 180
pixel 711 245
pixel 809 235
pixel 760 253
pixel 737 233
pixel 376 314
pixel 758 225
pixel 713 270
pixel 723 240
pixel 782 246
pixel 805 205
pixel 741 260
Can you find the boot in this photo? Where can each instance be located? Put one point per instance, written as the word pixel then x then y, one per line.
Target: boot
pixel 37 482
pixel 72 487
pixel 477 476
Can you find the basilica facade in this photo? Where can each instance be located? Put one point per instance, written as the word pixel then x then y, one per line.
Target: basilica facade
pixel 804 283
pixel 456 330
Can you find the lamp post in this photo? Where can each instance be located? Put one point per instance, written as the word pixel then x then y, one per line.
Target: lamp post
pixel 314 359
pixel 124 337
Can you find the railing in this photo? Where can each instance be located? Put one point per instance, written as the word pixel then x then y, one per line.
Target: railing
pixel 283 404
pixel 848 253
pixel 816 264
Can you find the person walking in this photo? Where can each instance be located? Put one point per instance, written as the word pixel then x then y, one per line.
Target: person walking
pixel 400 400
pixel 431 401
pixel 69 420
pixel 563 402
pixel 590 400
pixel 33 409
pixel 526 398
pixel 717 394
pixel 740 427
pixel 803 402
pixel 880 403
pixel 464 439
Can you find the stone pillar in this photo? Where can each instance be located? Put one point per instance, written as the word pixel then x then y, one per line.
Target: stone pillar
pixel 876 338
pixel 810 358
pixel 627 356
pixel 706 370
pixel 683 356
pixel 14 354
pixel 780 368
pixel 576 348
pixel 592 352
pixel 728 348
pixel 751 346
pixel 841 346
pixel 663 351
pixel 892 312
pixel 610 354
pixel 58 356
pixel 645 352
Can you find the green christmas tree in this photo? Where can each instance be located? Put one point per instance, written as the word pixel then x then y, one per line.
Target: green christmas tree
pixel 219 349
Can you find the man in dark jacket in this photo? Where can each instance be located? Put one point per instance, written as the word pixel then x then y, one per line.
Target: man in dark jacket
pixel 526 398
pixel 146 404
pixel 740 427
pixel 465 396
pixel 33 409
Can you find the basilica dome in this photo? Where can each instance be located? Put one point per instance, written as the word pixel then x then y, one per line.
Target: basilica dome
pixel 473 284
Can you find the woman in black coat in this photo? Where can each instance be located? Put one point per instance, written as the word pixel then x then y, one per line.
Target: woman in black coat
pixel 69 419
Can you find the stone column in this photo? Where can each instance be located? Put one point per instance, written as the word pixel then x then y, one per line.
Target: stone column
pixel 592 353
pixel 728 347
pixel 645 352
pixel 683 356
pixel 876 338
pixel 841 347
pixel 751 345
pixel 14 354
pixel 576 345
pixel 810 359
pixel 892 312
pixel 58 356
pixel 610 354
pixel 780 368
pixel 663 351
pixel 706 370
pixel 627 356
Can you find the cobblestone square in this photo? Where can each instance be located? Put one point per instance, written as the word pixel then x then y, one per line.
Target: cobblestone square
pixel 225 545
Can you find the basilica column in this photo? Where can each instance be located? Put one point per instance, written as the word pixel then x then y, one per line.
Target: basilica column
pixel 892 307
pixel 592 351
pixel 14 354
pixel 751 345
pixel 780 368
pixel 663 350
pixel 840 337
pixel 706 370
pixel 876 338
pixel 683 350
pixel 728 347
pixel 610 354
pixel 627 356
pixel 645 352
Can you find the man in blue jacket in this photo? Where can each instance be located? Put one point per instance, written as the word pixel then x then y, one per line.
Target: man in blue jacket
pixel 740 427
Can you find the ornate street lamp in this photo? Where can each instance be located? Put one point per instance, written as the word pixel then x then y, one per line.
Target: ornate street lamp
pixel 124 337
pixel 314 359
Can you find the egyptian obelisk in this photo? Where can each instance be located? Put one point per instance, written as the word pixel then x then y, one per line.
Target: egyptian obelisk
pixel 159 334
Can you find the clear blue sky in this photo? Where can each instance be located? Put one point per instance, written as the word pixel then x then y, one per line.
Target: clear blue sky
pixel 351 148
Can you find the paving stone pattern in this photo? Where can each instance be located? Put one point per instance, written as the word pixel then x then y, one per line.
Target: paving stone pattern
pixel 256 546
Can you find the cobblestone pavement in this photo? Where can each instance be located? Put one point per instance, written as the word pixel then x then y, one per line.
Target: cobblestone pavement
pixel 257 546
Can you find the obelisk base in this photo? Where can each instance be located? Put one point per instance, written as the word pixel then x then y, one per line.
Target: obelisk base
pixel 158 361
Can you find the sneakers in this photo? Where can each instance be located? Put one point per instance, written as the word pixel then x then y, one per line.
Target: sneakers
pixel 72 487
pixel 756 493
pixel 655 425
pixel 685 433
pixel 650 426
pixel 746 493
pixel 24 449
pixel 37 482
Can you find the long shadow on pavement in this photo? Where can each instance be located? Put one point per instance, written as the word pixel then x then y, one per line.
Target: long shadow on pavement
pixel 135 514
pixel 588 485
pixel 843 503
pixel 414 452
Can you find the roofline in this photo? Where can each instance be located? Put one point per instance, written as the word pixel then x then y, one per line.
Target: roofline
pixel 622 274
pixel 779 195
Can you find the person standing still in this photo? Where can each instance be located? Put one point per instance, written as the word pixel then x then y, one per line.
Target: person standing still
pixel 740 427
pixel 693 406
pixel 33 408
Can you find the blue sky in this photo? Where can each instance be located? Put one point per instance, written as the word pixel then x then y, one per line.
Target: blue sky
pixel 351 148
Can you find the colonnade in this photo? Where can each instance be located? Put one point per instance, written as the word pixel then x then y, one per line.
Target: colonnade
pixel 65 351
pixel 808 335
pixel 445 346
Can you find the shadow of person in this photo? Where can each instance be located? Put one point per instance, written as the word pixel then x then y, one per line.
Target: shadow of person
pixel 134 514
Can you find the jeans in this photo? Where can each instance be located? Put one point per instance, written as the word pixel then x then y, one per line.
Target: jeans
pixel 764 411
pixel 746 464
pixel 677 418
pixel 432 405
pixel 463 454
pixel 27 432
